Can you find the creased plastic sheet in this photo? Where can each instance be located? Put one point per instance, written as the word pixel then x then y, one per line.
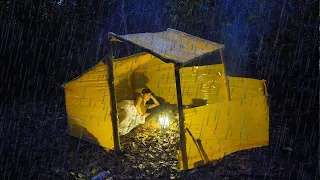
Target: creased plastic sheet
pixel 224 128
pixel 88 107
pixel 88 99
pixel 244 89
pixel 123 69
pixel 158 77
pixel 203 84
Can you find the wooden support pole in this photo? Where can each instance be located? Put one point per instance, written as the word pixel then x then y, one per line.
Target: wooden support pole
pixel 226 77
pixel 181 118
pixel 113 101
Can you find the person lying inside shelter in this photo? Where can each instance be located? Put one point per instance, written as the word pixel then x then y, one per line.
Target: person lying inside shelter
pixel 133 113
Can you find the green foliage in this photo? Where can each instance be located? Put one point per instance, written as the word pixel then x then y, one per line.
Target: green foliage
pixel 188 12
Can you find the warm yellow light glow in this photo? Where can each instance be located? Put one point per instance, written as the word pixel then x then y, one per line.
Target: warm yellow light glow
pixel 164 121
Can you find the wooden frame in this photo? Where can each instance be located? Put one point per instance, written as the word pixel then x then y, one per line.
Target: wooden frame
pixel 177 67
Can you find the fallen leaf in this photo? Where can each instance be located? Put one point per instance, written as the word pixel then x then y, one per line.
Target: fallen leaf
pixel 153 165
pixel 172 176
pixel 175 168
pixel 134 145
pixel 143 142
pixel 81 175
pixel 165 144
pixel 141 166
pixel 142 150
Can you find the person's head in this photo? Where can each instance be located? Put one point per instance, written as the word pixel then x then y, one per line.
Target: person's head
pixel 146 94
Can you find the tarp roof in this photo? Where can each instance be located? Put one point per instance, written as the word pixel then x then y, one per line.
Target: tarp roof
pixel 171 45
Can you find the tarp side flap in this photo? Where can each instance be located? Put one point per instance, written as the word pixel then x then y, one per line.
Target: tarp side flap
pixel 246 88
pixel 203 85
pixel 223 128
pixel 88 107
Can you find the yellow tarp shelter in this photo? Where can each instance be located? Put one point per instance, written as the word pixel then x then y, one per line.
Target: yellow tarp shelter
pixel 227 114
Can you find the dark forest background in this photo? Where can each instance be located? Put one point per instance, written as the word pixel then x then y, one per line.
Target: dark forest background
pixel 44 43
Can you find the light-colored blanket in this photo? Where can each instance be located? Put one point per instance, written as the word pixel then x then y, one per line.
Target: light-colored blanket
pixel 128 116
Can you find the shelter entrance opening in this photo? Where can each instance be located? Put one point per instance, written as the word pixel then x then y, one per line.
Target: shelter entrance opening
pixel 148 130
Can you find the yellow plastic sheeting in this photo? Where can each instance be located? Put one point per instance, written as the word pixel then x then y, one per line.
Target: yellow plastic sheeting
pixel 224 128
pixel 203 84
pixel 245 88
pixel 91 124
pixel 88 107
pixel 123 69
pixel 173 44
pixel 95 76
pixel 158 77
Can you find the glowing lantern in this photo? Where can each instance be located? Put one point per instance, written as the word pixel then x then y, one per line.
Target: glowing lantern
pixel 164 120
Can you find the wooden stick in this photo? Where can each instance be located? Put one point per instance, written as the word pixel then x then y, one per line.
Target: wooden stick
pixel 181 118
pixel 225 73
pixel 113 101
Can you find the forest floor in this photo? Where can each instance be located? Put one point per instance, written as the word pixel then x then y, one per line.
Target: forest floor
pixel 35 145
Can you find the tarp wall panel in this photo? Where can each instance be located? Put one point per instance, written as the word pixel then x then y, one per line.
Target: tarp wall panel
pixel 158 77
pixel 224 128
pixel 88 107
pixel 123 69
pixel 203 84
pixel 246 88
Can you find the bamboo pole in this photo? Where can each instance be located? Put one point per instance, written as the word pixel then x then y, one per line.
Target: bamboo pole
pixel 113 101
pixel 181 118
pixel 225 74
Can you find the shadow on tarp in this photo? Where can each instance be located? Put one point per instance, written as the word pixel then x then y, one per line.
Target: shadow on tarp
pixel 198 102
